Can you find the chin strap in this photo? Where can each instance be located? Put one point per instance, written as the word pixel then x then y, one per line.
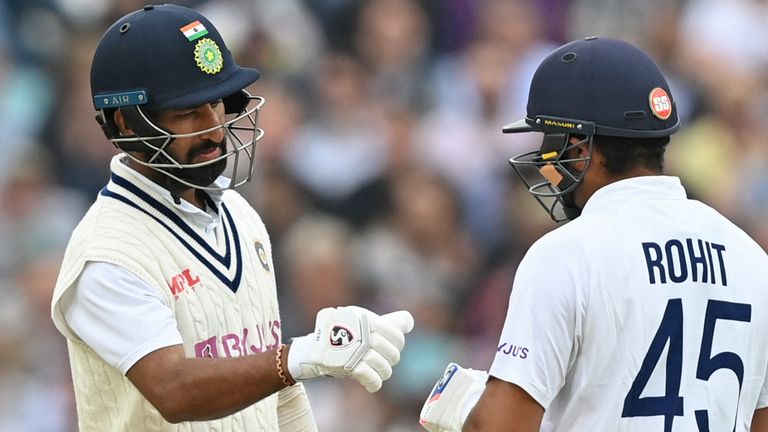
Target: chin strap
pixel 567 200
pixel 572 212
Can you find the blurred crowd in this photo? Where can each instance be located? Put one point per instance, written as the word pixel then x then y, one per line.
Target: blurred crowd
pixel 383 174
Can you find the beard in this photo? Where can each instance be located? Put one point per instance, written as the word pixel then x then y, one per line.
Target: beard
pixel 207 174
pixel 200 176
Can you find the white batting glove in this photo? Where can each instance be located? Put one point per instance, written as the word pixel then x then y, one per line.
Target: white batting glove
pixel 452 398
pixel 351 342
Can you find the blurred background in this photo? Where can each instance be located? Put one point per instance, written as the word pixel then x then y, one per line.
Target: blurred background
pixel 383 175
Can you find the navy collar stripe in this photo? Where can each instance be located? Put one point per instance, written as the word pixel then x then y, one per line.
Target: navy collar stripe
pixel 238 251
pixel 157 205
pixel 232 284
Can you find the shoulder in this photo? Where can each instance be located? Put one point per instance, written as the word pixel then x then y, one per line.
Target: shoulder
pixel 243 214
pixel 114 232
pixel 84 231
pixel 556 261
pixel 731 230
pixel 563 244
pixel 236 203
pixel 561 267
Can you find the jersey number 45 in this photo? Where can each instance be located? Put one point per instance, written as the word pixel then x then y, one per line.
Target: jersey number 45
pixel 671 329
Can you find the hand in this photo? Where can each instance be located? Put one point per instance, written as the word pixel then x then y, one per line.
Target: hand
pixel 351 342
pixel 452 398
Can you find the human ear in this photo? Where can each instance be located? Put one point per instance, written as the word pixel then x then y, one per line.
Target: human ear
pixel 120 122
pixel 579 152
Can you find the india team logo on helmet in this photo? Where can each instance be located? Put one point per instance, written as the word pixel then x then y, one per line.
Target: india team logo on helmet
pixel 208 56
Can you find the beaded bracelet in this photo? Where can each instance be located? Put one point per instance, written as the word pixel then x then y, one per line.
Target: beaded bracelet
pixel 288 381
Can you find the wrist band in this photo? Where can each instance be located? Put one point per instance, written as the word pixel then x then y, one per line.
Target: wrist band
pixel 288 381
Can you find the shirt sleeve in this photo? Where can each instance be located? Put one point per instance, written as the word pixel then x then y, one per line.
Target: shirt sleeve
pixel 120 316
pixel 541 332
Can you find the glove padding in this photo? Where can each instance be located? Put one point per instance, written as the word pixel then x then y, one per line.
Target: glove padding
pixel 351 342
pixel 452 398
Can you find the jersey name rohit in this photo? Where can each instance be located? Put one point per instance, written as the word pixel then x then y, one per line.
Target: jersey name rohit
pixel 680 260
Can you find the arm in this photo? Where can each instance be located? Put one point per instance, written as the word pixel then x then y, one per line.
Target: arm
pixel 191 389
pixel 129 325
pixel 532 358
pixel 760 420
pixel 186 389
pixel 470 400
pixel 504 406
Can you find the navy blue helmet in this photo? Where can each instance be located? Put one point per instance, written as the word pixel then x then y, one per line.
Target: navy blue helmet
pixel 164 57
pixel 592 86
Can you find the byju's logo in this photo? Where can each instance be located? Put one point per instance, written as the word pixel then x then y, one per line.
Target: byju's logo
pixel 341 336
pixel 513 350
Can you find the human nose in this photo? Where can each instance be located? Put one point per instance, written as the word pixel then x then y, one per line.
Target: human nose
pixel 211 122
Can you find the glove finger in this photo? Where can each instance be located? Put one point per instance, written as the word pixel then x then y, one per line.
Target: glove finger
pixel 385 348
pixel 401 319
pixel 379 364
pixel 367 377
pixel 380 325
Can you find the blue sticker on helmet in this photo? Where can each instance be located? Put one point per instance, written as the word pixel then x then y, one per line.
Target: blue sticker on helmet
pixel 115 100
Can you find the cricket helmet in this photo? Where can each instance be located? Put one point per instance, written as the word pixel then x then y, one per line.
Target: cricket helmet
pixel 165 57
pixel 592 86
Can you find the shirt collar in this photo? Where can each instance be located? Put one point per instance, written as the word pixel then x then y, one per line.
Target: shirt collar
pixel 643 187
pixel 118 166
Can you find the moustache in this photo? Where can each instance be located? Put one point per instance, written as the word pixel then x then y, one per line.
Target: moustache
pixel 207 146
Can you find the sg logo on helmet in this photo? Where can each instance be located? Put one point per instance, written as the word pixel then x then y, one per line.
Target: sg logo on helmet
pixel 661 104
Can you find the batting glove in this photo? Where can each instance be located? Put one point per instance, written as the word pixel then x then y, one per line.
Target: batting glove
pixel 452 398
pixel 351 342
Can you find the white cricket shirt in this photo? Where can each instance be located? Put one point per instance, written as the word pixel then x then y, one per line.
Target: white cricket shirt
pixel 119 315
pixel 647 313
pixel 218 286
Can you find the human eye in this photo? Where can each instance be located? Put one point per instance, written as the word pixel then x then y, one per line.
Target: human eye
pixel 181 114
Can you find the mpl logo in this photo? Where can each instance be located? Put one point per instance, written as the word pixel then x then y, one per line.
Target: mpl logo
pixel 341 336
pixel 182 281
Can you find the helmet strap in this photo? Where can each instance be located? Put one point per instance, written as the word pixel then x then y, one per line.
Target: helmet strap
pixel 570 209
